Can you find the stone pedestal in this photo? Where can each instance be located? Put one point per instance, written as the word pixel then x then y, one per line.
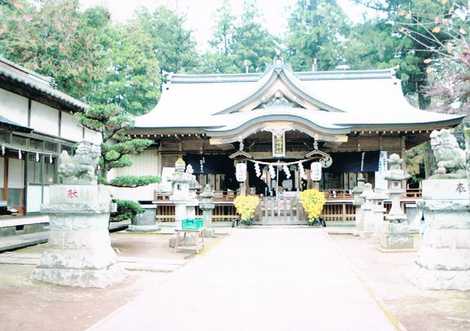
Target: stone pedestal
pixel 397 234
pixel 378 212
pixel 444 257
pixel 79 251
pixel 365 229
pixel 207 206
pixel 145 222
pixel 358 200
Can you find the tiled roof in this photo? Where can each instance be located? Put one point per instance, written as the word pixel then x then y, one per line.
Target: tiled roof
pixel 347 98
pixel 38 83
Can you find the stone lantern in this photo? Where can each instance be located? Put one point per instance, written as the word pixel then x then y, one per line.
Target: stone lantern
pixel 206 204
pixel 183 197
pixel 396 230
pixel 358 201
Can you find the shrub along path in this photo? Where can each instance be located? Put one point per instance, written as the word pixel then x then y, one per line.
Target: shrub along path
pixel 258 279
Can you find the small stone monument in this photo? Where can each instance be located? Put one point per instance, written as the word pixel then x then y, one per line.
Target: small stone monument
pixel 396 232
pixel 207 205
pixel 378 211
pixel 357 202
pixel 444 257
pixel 366 211
pixel 145 222
pixel 79 251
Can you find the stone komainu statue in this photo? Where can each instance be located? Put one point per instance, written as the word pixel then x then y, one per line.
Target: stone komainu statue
pixel 449 157
pixel 80 168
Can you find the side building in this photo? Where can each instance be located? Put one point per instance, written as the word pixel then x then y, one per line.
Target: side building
pixel 36 125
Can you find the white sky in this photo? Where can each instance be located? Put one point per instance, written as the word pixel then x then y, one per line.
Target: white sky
pixel 200 13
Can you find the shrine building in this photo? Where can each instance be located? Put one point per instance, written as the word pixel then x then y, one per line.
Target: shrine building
pixel 278 123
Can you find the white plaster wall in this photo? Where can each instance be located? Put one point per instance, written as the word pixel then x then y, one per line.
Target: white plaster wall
pixel 14 107
pixel 144 164
pixel 92 136
pixel 44 119
pixel 71 129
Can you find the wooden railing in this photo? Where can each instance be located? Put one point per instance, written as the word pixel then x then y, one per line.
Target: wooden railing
pixel 338 207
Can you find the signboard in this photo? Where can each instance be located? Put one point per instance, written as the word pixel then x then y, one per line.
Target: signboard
pixel 315 171
pixel 279 144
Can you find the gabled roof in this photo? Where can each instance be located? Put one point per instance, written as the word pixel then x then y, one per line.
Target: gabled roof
pixel 332 101
pixel 28 83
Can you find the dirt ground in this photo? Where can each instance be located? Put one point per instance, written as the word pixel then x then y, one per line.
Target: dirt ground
pixel 28 305
pixel 388 277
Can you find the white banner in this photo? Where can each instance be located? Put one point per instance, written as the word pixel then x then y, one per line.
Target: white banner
pixel 380 182
pixel 240 172
pixel 315 171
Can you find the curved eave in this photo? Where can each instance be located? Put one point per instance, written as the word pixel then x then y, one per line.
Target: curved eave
pixel 409 126
pixel 274 73
pixel 333 130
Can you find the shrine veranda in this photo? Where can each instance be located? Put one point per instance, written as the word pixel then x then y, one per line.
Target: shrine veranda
pixel 350 121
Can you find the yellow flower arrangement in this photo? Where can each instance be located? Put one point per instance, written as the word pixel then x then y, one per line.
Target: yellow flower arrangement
pixel 312 201
pixel 246 206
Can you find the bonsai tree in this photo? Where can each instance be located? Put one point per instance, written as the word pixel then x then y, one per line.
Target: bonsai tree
pixel 246 206
pixel 113 123
pixel 313 201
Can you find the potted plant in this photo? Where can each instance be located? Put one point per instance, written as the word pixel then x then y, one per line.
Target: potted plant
pixel 246 207
pixel 313 201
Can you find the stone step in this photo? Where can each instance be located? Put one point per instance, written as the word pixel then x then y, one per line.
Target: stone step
pixel 129 263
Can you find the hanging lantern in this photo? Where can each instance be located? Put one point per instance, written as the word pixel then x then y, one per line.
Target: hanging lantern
pixel 286 170
pixel 257 170
pixel 315 171
pixel 189 169
pixel 19 154
pixel 3 150
pixel 50 158
pixel 37 157
pixel 272 172
pixel 240 172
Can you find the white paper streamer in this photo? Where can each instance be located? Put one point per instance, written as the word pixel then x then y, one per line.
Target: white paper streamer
pixel 286 171
pixel 272 172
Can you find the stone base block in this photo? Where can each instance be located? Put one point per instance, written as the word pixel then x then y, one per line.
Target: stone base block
pixel 7 231
pixel 99 278
pixel 400 241
pixel 441 279
pixel 189 241
pixel 33 228
pixel 209 233
pixel 143 228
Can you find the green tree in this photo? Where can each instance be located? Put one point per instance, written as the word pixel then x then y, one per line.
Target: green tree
pixel 223 36
pixel 253 47
pixel 57 40
pixel 132 80
pixel 173 44
pixel 316 31
pixel 408 22
pixel 113 123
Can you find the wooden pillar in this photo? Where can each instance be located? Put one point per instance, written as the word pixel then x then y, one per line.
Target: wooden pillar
pixel 5 178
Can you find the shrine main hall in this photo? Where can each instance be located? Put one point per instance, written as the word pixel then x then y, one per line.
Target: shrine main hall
pixel 277 133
